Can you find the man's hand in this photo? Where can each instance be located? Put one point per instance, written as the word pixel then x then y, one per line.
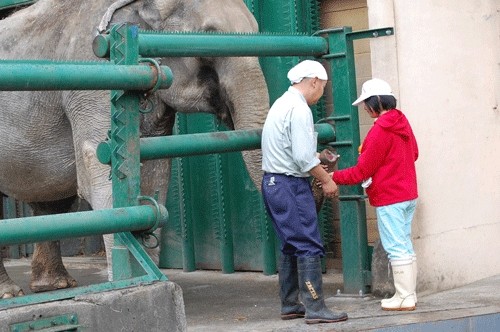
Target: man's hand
pixel 330 189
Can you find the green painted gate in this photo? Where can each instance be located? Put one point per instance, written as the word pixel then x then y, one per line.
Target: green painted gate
pixel 217 218
pixel 202 213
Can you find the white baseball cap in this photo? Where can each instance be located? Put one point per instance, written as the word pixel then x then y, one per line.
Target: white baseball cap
pixel 374 87
pixel 307 68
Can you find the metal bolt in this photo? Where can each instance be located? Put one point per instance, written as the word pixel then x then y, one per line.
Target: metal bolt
pixel 375 34
pixel 388 32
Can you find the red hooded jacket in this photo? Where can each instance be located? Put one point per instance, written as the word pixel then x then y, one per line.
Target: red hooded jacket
pixel 388 156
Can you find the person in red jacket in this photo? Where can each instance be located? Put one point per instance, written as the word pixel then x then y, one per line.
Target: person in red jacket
pixel 386 169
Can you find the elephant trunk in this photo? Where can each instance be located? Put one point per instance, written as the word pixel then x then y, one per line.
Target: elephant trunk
pixel 245 84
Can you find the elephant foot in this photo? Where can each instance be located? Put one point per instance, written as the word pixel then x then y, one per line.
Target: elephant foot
pixel 45 284
pixel 10 290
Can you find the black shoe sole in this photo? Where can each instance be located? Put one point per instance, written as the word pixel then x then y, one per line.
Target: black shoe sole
pixel 292 316
pixel 320 321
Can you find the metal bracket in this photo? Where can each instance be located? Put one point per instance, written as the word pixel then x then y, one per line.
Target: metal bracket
pixel 66 322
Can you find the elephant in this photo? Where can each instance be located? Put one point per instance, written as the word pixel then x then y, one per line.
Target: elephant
pixel 48 139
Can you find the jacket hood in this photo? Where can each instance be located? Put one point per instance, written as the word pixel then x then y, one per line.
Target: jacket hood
pixel 395 121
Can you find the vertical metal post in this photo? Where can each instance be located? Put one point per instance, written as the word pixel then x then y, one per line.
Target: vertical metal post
pixel 225 232
pixel 125 157
pixel 188 248
pixel 177 245
pixel 124 141
pixel 352 212
pixel 217 209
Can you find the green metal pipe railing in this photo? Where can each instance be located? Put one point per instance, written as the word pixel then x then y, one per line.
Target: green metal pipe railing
pixel 6 4
pixel 46 75
pixel 57 226
pixel 131 264
pixel 219 45
pixel 204 143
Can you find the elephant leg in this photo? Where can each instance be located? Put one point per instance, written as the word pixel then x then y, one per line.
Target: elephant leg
pixel 94 184
pixel 47 269
pixel 8 288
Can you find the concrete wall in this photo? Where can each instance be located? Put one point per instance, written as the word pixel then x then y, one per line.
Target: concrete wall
pixel 443 65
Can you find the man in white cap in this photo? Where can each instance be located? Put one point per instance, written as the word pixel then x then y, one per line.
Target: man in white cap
pixel 289 158
pixel 386 169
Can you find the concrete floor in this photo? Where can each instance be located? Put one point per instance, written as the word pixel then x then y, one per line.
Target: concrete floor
pixel 248 301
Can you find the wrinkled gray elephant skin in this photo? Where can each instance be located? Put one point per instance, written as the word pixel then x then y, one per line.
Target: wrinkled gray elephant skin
pixel 48 139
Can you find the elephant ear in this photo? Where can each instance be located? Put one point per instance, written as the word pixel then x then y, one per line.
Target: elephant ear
pixel 156 12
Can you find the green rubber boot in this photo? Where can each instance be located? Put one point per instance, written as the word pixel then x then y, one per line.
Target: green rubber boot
pixel 311 292
pixel 291 308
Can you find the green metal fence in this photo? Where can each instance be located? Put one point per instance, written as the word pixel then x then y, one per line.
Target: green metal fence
pixel 124 135
pixel 194 239
pixel 356 260
pixel 131 265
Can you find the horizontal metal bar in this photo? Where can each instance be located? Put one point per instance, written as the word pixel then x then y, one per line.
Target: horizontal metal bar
pixel 353 197
pixel 333 56
pixel 220 45
pixel 42 75
pixel 372 33
pixel 199 144
pixel 341 118
pixel 334 118
pixel 329 30
pixel 78 224
pixel 341 143
pixel 204 143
